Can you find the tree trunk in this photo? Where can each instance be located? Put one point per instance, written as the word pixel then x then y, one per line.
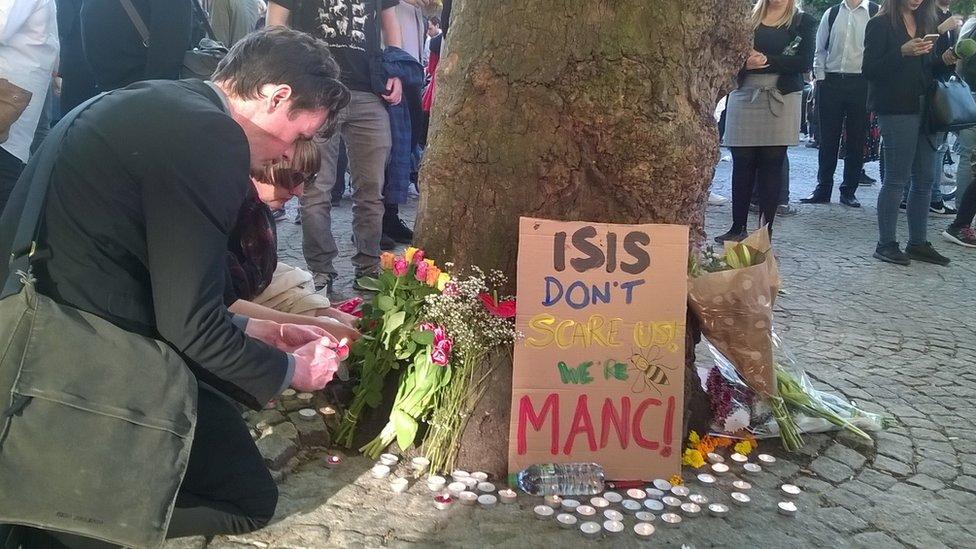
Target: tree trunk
pixel 597 111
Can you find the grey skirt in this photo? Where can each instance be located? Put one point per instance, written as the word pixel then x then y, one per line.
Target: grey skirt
pixel 760 116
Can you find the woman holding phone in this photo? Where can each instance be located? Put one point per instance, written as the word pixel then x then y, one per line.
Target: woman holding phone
pixel 903 55
pixel 764 111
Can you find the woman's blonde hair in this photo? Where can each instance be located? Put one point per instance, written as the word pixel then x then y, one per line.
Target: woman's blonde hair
pixel 307 160
pixel 762 6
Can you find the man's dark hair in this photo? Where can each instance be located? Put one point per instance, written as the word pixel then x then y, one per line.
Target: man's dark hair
pixel 278 55
pixel 435 20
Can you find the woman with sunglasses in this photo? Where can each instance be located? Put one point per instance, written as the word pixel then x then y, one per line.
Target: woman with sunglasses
pixel 261 287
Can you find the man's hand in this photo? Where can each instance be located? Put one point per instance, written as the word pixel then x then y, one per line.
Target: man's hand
pixel 286 337
pixel 396 91
pixel 950 24
pixel 336 328
pixel 315 365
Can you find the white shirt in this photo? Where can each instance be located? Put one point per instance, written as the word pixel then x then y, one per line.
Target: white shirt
pixel 28 52
pixel 846 41
pixel 412 27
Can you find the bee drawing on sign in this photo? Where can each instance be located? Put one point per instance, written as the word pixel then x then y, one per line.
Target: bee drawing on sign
pixel 650 371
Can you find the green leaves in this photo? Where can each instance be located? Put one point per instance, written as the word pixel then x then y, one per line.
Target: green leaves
pixel 394 321
pixel 406 428
pixel 370 283
pixel 423 337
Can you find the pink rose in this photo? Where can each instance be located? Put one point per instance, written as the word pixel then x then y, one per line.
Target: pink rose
pixel 422 267
pixel 400 266
pixel 441 353
pixel 418 257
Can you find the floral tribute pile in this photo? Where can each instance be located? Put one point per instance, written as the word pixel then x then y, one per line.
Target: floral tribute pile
pixel 433 329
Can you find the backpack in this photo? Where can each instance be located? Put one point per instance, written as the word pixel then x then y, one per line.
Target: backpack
pixel 872 11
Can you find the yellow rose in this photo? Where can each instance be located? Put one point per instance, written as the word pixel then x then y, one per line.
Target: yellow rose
pixel 692 458
pixel 442 281
pixel 408 255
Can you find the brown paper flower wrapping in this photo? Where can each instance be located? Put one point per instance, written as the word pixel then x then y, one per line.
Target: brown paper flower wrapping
pixel 735 308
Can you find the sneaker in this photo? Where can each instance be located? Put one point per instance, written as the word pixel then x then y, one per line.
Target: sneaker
pixel 395 228
pixel 948 192
pixel 940 209
pixel 948 173
pixel 325 280
pixel 965 236
pixel 786 210
pixel 926 253
pixel 812 145
pixel 717 200
pixel 278 214
pixel 891 253
pixel 733 236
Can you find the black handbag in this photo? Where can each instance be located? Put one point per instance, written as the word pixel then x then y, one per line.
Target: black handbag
pixel 199 62
pixel 951 106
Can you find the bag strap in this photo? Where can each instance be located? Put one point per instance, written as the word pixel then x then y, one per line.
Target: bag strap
pixel 198 10
pixel 137 21
pixel 37 176
pixel 831 17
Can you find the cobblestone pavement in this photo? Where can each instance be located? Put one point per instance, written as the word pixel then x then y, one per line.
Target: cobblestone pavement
pixel 893 339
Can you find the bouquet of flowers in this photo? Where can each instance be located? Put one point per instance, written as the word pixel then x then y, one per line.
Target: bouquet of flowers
pixel 479 321
pixel 392 337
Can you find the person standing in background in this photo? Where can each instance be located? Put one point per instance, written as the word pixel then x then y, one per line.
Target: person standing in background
pixel 433 30
pixel 115 51
pixel 77 81
pixel 28 53
pixel 842 95
pixel 234 19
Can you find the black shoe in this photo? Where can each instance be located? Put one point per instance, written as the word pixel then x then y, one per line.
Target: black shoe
pixel 733 236
pixel 812 145
pixel 387 243
pixel 866 180
pixel 940 209
pixel 395 228
pixel 850 201
pixel 903 205
pixel 926 253
pixel 891 253
pixel 816 198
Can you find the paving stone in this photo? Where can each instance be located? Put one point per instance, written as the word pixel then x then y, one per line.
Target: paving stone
pixel 311 432
pixel 884 463
pixel 832 470
pixel 936 469
pixel 926 482
pixel 877 479
pixel 265 418
pixel 280 446
pixel 875 540
pixel 194 542
pixel 845 455
pixel 966 483
pixel 841 519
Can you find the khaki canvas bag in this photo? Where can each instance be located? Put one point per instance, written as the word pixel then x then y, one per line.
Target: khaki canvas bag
pixel 96 423
pixel 13 103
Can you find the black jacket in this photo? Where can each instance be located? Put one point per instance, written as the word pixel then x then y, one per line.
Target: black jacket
pixel 147 186
pixel 789 67
pixel 115 51
pixel 895 82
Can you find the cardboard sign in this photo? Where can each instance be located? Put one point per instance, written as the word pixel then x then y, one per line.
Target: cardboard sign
pixel 599 373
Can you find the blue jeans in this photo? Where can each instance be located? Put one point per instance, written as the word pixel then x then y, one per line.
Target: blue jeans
pixel 911 158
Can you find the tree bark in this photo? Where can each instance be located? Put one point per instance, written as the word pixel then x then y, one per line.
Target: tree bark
pixel 597 111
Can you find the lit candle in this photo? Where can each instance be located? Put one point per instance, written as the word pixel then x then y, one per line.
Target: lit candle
pixel 698 498
pixel 487 500
pixel 766 458
pixel 506 495
pixel 554 501
pixel 613 527
pixel 543 512
pixel 644 516
pixel 566 521
pixel 585 510
pixel 635 493
pixel 655 505
pixel 479 476
pixel 718 510
pixel 790 490
pixel 631 506
pixel 419 464
pixel 741 485
pixel 333 461
pixel 739 498
pixel 612 514
pixel 468 498
pixel 436 483
pixel 613 497
pixel 380 471
pixel 486 487
pixel 715 458
pixel 591 530
pixel 455 488
pixel 305 397
pixel 752 468
pixel 720 468
pixel 443 501
pixel 570 505
pixel 388 459
pixel 706 478
pixel 690 510
pixel 399 485
pixel 662 485
pixel 599 503
pixel 787 508
pixel 680 491
pixel 307 414
pixel 643 530
pixel 671 520
pixel 739 458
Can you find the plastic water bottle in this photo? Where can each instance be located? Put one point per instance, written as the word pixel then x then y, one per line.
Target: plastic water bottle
pixel 564 479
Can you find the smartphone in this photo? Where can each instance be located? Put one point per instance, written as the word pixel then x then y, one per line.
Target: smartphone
pixel 931 38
